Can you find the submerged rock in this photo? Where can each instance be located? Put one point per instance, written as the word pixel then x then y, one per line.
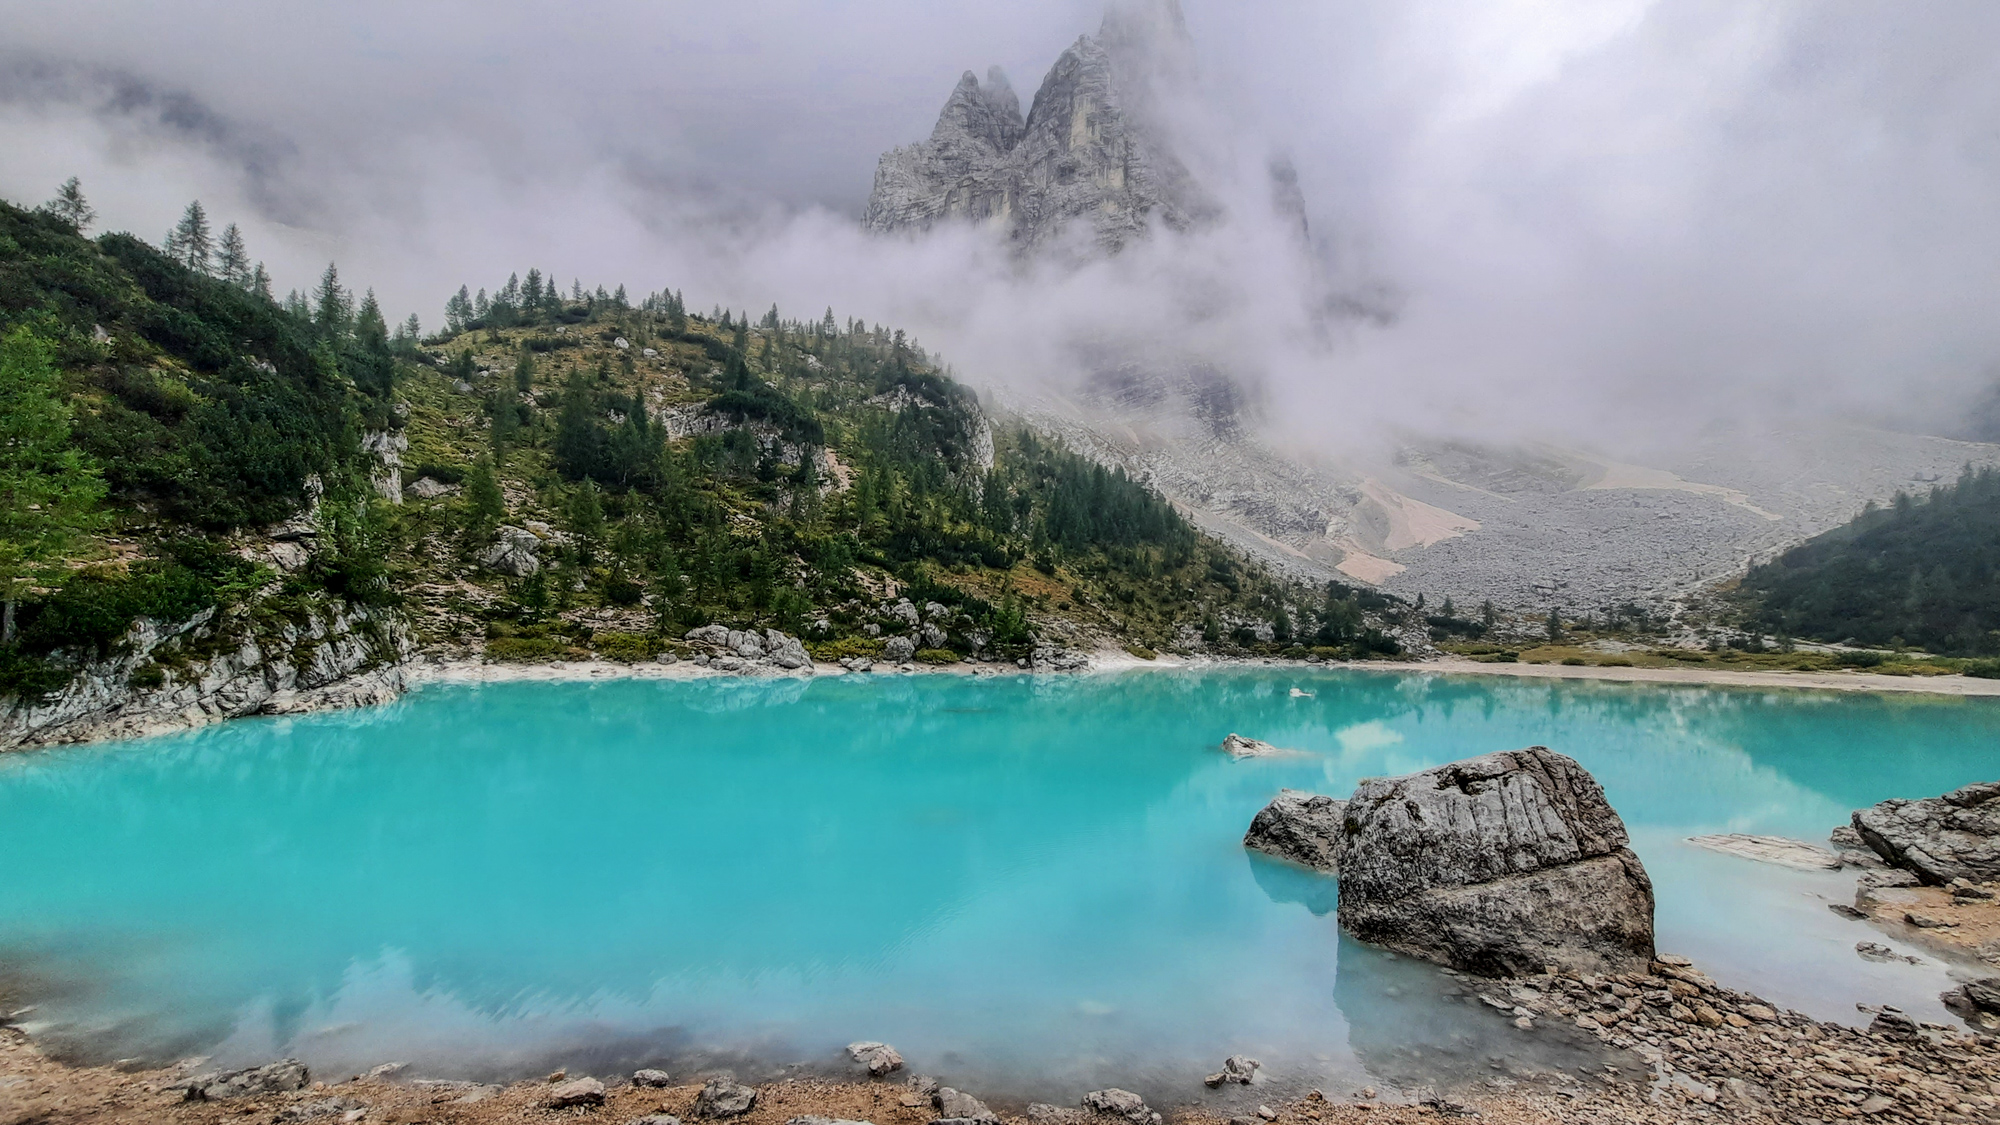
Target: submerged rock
pixel 1239 747
pixel 1302 827
pixel 879 1058
pixel 1238 1069
pixel 1977 1003
pixel 723 1097
pixel 1770 849
pixel 1499 865
pixel 1956 836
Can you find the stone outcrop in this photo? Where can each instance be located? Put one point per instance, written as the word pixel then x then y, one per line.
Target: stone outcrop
pixel 1089 151
pixel 1956 836
pixel 1302 827
pixel 167 676
pixel 517 552
pixel 1499 865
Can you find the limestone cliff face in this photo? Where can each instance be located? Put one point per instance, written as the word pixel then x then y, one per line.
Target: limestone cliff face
pixel 1090 150
pixel 172 675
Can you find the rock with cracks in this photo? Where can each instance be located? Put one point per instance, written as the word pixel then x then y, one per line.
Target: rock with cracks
pixel 724 1098
pixel 1956 836
pixel 1499 865
pixel 517 553
pixel 1302 827
pixel 879 1058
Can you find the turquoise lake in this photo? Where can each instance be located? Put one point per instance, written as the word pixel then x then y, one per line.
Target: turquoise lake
pixel 1033 886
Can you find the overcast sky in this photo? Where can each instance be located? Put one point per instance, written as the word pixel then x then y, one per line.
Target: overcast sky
pixel 1592 214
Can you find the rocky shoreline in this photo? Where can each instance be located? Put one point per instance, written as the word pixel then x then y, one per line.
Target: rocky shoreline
pixel 339 657
pixel 1683 1049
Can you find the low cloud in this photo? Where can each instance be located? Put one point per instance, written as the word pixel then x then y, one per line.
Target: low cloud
pixel 1593 221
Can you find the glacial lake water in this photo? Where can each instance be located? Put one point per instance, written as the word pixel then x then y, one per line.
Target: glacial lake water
pixel 1033 886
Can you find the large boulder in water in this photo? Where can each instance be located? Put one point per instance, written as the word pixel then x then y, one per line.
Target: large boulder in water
pixel 1302 827
pixel 1499 865
pixel 1956 836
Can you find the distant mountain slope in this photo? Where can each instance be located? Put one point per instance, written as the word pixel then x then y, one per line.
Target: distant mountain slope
pixel 1922 571
pixel 553 475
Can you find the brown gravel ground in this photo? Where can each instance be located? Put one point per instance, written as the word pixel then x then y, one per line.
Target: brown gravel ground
pixel 1697 1052
pixel 1950 924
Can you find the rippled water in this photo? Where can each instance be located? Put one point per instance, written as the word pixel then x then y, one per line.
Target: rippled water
pixel 1034 885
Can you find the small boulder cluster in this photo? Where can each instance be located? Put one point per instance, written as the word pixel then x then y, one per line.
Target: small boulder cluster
pixel 1707 1044
pixel 738 650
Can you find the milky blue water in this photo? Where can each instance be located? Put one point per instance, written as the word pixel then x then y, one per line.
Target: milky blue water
pixel 1034 885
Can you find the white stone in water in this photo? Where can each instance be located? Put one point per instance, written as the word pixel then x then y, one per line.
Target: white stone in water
pixel 1770 849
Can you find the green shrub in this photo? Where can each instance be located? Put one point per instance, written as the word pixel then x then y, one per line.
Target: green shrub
pixel 626 648
pixel 1144 653
pixel 828 652
pixel 936 656
pixel 1575 661
pixel 1983 669
pixel 1615 662
pixel 29 675
pixel 151 676
pixel 1862 659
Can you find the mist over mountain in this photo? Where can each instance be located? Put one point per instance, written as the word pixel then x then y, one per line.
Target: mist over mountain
pixel 1589 227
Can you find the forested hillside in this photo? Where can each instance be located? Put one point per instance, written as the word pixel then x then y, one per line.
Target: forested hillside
pixel 1921 572
pixel 555 473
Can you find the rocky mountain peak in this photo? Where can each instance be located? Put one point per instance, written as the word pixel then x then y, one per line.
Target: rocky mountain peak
pixel 1089 150
pixel 987 115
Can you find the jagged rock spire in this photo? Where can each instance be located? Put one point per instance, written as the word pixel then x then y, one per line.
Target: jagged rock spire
pixel 1090 150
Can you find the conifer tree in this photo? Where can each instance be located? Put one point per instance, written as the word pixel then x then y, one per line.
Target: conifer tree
pixel 524 372
pixel 333 306
pixel 191 244
pixel 369 325
pixel 70 206
pixel 232 261
pixel 48 491
pixel 260 282
pixel 483 496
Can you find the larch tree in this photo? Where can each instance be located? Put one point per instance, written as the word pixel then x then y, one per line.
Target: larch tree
pixel 232 261
pixel 70 206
